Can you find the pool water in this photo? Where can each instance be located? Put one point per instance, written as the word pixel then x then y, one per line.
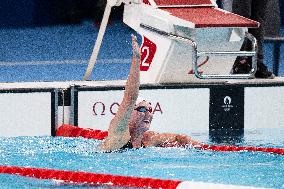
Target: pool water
pixel 78 154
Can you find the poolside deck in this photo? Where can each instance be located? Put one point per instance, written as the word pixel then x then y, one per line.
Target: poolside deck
pixel 278 81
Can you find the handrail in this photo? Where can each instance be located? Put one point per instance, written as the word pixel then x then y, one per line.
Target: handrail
pixel 252 53
pixel 170 35
pixel 196 54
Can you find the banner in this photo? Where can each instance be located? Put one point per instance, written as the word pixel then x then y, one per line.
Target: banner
pixel 175 110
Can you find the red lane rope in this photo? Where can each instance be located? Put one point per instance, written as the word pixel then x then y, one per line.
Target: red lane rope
pixel 73 131
pixel 90 178
pixel 242 148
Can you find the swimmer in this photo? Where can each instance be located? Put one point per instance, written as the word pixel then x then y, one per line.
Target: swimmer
pixel 130 126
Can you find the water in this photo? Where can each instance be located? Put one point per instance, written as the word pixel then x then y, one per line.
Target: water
pixel 79 154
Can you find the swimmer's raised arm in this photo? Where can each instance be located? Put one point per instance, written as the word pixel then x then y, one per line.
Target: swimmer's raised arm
pixel 118 132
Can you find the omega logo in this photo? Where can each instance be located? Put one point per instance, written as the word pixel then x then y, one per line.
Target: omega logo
pixel 100 108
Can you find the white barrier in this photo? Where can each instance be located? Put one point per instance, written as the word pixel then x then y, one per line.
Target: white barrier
pixel 264 107
pixel 26 113
pixel 36 109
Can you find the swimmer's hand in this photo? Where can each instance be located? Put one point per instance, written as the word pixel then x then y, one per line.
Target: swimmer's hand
pixel 135 46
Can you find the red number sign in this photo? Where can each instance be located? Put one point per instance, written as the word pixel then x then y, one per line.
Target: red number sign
pixel 146 2
pixel 148 50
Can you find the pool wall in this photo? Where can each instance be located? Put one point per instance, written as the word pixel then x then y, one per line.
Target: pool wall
pixel 223 108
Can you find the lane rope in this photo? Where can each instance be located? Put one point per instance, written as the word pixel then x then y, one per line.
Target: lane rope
pixel 279 151
pixel 66 130
pixel 74 131
pixel 79 177
pixel 90 178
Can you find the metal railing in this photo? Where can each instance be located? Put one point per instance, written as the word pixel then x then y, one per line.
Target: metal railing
pixel 196 54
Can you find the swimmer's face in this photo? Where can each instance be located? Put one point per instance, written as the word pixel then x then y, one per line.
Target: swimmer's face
pixel 141 117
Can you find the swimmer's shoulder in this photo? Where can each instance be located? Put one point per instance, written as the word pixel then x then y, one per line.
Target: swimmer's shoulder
pixel 149 134
pixel 147 139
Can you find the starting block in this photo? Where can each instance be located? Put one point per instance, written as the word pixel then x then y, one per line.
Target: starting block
pixel 188 39
pixel 183 40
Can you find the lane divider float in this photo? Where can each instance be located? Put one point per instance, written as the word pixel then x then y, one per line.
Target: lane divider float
pixel 74 131
pixel 111 180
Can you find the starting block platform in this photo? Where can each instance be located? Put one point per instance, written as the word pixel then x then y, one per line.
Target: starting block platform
pixel 184 40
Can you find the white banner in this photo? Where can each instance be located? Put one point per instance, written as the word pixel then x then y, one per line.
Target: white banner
pixel 25 114
pixel 264 107
pixel 175 110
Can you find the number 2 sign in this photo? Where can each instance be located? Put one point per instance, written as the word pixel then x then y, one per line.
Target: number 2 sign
pixel 148 50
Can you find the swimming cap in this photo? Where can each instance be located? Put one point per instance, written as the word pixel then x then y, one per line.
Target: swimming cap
pixel 139 99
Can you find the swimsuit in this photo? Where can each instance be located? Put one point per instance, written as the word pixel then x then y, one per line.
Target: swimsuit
pixel 129 145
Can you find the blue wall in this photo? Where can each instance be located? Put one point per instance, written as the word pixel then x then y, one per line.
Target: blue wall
pixel 16 13
pixel 29 13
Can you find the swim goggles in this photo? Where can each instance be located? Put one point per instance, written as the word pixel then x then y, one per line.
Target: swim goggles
pixel 143 109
